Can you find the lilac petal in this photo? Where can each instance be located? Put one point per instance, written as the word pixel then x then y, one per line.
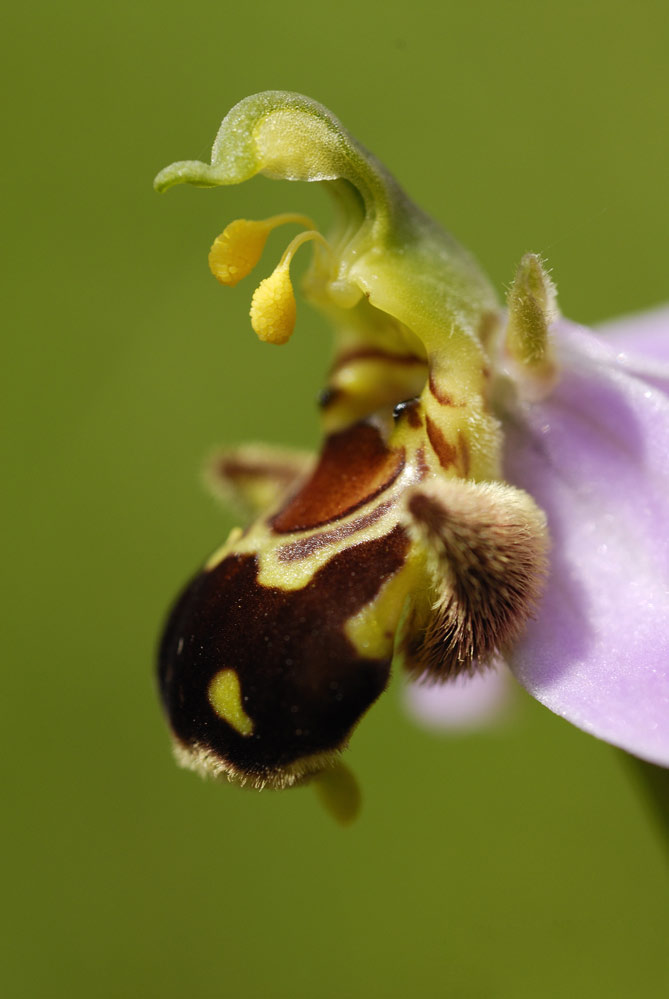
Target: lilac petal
pixel 641 343
pixel 595 456
pixel 642 333
pixel 465 702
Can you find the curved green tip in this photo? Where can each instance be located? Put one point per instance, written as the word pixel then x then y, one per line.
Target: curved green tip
pixel 186 172
pixel 283 135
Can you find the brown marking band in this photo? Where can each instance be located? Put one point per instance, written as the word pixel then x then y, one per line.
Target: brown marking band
pixel 307 546
pixel 374 354
pixel 410 409
pixel 445 452
pixel 355 466
pixel 235 468
pixel 442 397
pixel 414 417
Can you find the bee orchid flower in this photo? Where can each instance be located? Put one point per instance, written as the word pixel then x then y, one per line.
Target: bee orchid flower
pixel 492 484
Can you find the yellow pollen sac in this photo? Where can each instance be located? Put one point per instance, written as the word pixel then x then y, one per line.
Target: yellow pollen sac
pixel 225 697
pixel 238 249
pixel 273 308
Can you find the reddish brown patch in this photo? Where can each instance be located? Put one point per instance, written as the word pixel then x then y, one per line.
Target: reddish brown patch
pixel 413 415
pixel 355 466
pixel 307 546
pixel 411 409
pixel 445 452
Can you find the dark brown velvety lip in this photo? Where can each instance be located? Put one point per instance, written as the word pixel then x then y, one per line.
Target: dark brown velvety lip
pixel 304 683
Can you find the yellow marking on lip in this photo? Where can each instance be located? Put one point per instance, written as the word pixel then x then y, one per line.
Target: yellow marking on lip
pixel 225 697
pixel 372 630
pixel 223 550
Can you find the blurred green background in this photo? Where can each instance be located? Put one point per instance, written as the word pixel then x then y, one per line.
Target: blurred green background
pixel 515 862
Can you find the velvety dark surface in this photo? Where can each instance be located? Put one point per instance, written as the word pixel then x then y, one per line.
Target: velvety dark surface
pixel 304 685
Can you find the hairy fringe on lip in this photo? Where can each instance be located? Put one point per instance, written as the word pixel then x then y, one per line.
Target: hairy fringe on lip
pixel 488 546
pixel 205 762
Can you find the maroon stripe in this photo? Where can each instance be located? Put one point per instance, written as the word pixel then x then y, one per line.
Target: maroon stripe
pixel 307 546
pixel 374 354
pixel 445 452
pixel 443 397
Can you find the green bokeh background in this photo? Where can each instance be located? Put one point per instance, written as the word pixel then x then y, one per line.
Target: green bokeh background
pixel 515 862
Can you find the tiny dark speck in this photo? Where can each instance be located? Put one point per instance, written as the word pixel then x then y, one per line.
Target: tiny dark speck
pixel 327 397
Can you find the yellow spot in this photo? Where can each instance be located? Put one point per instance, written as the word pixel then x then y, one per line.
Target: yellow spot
pixel 339 793
pixel 225 697
pixel 372 630
pixel 273 307
pixel 224 549
pixel 238 249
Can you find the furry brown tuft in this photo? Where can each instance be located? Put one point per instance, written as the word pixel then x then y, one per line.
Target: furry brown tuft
pixel 487 545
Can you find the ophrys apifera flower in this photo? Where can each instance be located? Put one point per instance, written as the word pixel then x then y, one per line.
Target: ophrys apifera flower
pixel 419 533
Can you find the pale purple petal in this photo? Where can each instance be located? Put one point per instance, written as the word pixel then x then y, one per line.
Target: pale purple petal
pixel 595 456
pixel 463 703
pixel 641 343
pixel 645 333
